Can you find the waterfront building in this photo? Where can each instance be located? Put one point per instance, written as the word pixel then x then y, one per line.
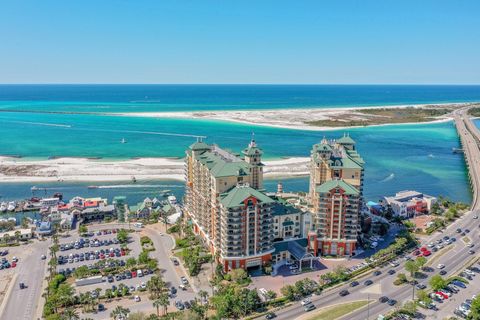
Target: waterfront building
pixel 227 206
pixel 336 196
pixel 406 204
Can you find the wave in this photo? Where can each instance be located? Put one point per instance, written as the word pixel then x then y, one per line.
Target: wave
pixel 41 123
pixel 125 186
pixel 389 177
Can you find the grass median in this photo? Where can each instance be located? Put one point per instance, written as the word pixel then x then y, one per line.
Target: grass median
pixel 337 311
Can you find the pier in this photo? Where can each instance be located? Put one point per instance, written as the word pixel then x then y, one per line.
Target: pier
pixel 470 140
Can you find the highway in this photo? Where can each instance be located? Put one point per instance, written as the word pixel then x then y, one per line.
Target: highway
pixel 453 259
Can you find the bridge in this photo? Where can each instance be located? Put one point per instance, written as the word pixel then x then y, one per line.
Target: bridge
pixel 470 139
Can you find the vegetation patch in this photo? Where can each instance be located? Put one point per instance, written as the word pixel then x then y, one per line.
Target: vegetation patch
pixel 376 116
pixel 338 311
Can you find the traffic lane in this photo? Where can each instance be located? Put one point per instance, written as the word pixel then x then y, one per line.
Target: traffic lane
pixel 162 253
pixel 22 303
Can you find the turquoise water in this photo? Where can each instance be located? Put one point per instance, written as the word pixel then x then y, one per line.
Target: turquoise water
pixel 397 157
pixel 139 98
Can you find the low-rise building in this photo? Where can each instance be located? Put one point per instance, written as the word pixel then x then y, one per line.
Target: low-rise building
pixel 406 204
pixel 23 234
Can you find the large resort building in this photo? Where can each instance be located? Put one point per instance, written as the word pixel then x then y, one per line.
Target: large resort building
pixel 227 206
pixel 244 227
pixel 336 190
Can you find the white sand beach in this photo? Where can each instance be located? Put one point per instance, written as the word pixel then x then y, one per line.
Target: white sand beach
pixel 292 118
pixel 96 170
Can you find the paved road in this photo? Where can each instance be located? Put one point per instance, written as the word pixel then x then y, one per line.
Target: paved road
pixel 22 304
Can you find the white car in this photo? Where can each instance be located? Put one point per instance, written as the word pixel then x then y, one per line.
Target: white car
pixel 43 257
pixel 305 302
pixel 136 299
pixel 475 217
pixel 440 266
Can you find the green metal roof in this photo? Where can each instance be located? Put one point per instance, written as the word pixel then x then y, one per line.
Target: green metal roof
pixel 221 167
pixel 235 196
pixel 332 184
pixel 287 223
pixel 346 140
pixel 199 145
pixel 322 147
pixel 281 209
pixel 282 246
pixel 251 151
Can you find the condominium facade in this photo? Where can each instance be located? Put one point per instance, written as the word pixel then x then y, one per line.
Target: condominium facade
pixel 226 204
pixel 335 195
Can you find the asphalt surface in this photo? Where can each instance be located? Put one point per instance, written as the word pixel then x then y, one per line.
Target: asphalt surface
pixel 22 303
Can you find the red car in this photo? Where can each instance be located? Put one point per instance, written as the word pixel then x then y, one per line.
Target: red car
pixel 14 264
pixel 102 256
pixel 134 274
pixel 122 253
pixel 442 294
pixel 426 253
pixel 112 254
pixel 423 249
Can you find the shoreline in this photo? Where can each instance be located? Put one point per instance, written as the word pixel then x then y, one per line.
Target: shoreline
pixel 18 170
pixel 297 119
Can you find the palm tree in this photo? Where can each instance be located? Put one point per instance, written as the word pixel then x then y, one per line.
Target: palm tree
pixel 6 237
pixel 203 295
pixel 70 314
pixel 164 302
pixel 119 313
pixel 17 235
pixel 156 286
pixel 157 304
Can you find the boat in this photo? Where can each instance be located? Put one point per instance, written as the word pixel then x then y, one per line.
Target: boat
pixel 3 207
pixel 134 180
pixel 92 187
pixel 123 140
pixel 11 206
pixel 34 188
pixel 457 150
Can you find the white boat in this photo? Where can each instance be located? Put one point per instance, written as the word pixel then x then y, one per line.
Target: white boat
pixel 3 207
pixel 11 206
pixel 123 140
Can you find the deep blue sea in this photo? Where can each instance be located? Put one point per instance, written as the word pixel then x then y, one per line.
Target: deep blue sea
pixel 41 121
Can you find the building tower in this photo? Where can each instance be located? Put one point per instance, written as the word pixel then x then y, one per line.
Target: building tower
pixel 336 187
pixel 253 156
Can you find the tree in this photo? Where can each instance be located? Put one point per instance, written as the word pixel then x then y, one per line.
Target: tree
pixel 70 314
pixel 203 296
pixel 422 295
pixel 288 292
pixel 410 307
pixel 143 257
pixel 156 286
pixel 411 267
pixel 82 229
pixel 420 262
pixel 119 313
pixel 122 236
pixel 131 262
pixel 24 223
pixel 475 309
pixel 437 282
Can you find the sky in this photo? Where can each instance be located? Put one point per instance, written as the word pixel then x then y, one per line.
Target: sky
pixel 294 42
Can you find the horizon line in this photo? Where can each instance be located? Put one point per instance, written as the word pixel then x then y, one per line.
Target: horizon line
pixel 241 84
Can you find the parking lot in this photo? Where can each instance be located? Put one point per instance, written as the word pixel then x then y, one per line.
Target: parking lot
pixel 456 303
pixel 79 251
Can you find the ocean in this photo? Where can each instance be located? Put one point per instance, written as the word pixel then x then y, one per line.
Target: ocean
pixel 41 121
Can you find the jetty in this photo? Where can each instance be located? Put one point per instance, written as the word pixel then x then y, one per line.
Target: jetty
pixel 470 139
